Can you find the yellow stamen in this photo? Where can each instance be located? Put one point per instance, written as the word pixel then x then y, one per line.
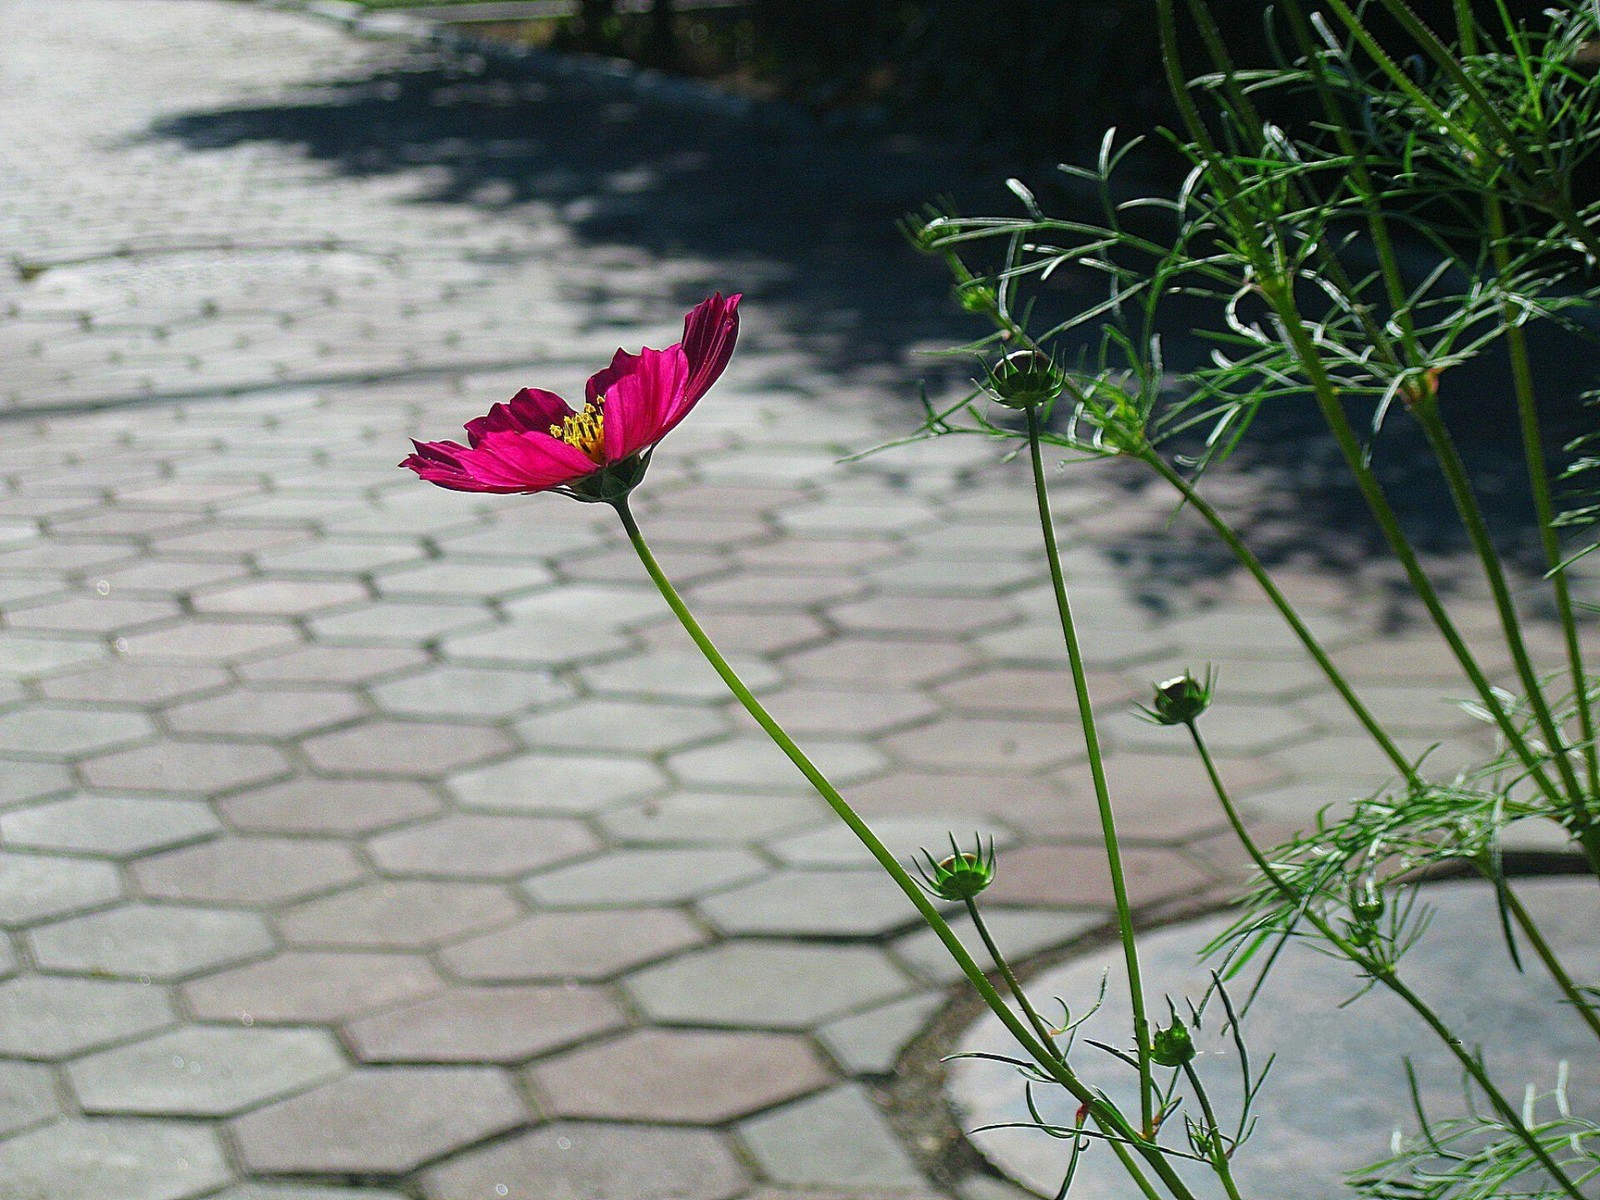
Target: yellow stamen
pixel 585 430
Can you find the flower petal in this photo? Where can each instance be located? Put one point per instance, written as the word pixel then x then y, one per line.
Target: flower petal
pixel 502 461
pixel 638 404
pixel 709 332
pixel 529 409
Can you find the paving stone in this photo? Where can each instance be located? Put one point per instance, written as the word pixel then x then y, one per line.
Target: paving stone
pixel 117 826
pixel 267 713
pixel 176 765
pixel 530 643
pixel 402 622
pixel 136 941
pixel 1068 876
pixel 976 743
pixel 334 806
pixel 835 845
pixel 333 664
pixel 456 579
pixel 27 1096
pixel 935 615
pixel 637 877
pixel 204 1071
pixel 48 1017
pixel 1230 728
pixel 124 682
pixel 676 675
pixel 766 985
pixel 570 1160
pixel 880 662
pixel 471 691
pixel 556 783
pixel 812 904
pixel 679 1076
pixel 870 1043
pixel 284 597
pixel 22 781
pixel 210 641
pixel 621 727
pixel 378 1121
pixel 398 914
pixel 573 945
pixel 311 987
pixel 130 1159
pixel 403 748
pixel 752 761
pixel 710 817
pixel 29 656
pixel 507 1024
pixel 257 1191
pixel 256 871
pixel 36 888
pixel 338 557
pixel 480 846
pixel 61 733
pixel 96 614
pixel 847 712
pixel 1020 934
pixel 836 1139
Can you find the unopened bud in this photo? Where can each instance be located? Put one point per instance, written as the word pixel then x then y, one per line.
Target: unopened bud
pixel 961 876
pixel 1180 700
pixel 1026 378
pixel 1172 1046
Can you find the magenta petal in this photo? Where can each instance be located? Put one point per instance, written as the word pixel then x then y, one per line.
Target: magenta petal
pixel 709 332
pixel 502 461
pixel 529 409
pixel 639 405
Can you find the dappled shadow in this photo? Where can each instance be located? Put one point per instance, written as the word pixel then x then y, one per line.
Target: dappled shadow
pixel 804 221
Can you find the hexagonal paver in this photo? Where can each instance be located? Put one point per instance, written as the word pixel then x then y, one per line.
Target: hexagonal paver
pixel 400 621
pixel 636 877
pixel 1067 876
pixel 485 1025
pixel 58 732
pixel 130 1159
pixel 812 904
pixel 621 726
pixel 752 761
pixel 836 1139
pixel 1241 631
pixel 847 711
pixel 25 656
pixel 766 985
pixel 36 887
pixel 454 579
pixel 471 692
pixel 710 817
pixel 572 945
pixel 556 783
pixel 304 986
pixel 530 642
pixel 290 1191
pixel 47 1017
pixel 835 845
pixel 175 765
pixel 149 940
pixel 937 615
pixel 204 1071
pixel 572 1160
pixel 480 846
pixel 404 748
pixel 378 1121
pixel 336 806
pixel 286 597
pixel 977 743
pixel 30 780
pixel 679 1076
pixel 1231 728
pixel 870 1043
pixel 124 682
pixel 248 870
pixel 399 914
pixel 879 662
pixel 117 826
pixel 676 675
pixel 1020 934
pixel 266 712
pixel 333 664
pixel 27 1096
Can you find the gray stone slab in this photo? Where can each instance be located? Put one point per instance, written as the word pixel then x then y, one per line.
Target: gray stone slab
pixel 27 1096
pixel 836 1139
pixel 60 732
pixel 204 1071
pixel 90 1159
pixel 1020 934
pixel 625 878
pixel 35 887
pixel 752 761
pixel 290 1191
pixel 556 783
pixel 1332 1099
pixel 710 818
pixel 117 826
pixel 48 1017
pixel 870 1043
pixel 471 691
pixel 813 903
pixel 152 941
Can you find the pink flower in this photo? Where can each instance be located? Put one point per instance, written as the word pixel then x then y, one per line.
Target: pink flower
pixel 536 443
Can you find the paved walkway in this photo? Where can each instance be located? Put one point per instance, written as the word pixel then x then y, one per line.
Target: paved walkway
pixel 360 840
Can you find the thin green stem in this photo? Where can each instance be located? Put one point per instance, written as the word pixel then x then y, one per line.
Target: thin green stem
pixel 1219 1154
pixel 1544 506
pixel 1385 974
pixel 1258 571
pixel 1552 961
pixel 1097 770
pixel 1046 1034
pixel 1116 1127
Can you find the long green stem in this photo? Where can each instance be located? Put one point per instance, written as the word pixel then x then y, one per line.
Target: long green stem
pixel 1046 1035
pixel 1544 507
pixel 1385 974
pixel 1258 571
pixel 1119 1132
pixel 1219 1153
pixel 1552 961
pixel 1097 770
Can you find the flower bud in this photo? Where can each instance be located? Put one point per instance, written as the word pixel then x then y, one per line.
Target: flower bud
pixel 962 875
pixel 1366 901
pixel 1025 378
pixel 1174 1045
pixel 1180 700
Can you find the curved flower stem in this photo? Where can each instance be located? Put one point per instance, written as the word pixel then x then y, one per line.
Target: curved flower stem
pixel 1097 769
pixel 1219 1154
pixel 1384 973
pixel 1119 1133
pixel 1046 1035
pixel 1230 538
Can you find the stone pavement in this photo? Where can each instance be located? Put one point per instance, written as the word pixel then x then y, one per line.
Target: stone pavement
pixel 360 840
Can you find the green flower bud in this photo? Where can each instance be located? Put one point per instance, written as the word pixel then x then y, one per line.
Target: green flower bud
pixel 1025 378
pixel 975 297
pixel 961 876
pixel 1366 901
pixel 1174 1045
pixel 1180 700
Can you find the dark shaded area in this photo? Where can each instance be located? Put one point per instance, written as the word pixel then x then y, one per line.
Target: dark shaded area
pixel 804 222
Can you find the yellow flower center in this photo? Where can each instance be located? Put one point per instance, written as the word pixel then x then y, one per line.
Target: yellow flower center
pixel 586 430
